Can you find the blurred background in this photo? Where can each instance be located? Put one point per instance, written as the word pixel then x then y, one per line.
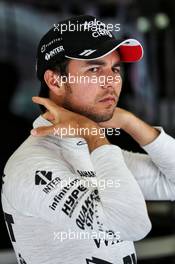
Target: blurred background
pixel 148 87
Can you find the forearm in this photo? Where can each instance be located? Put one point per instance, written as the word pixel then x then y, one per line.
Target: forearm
pixel 122 197
pixel 155 172
pixel 140 131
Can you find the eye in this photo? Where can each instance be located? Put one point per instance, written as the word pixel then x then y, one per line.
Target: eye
pixel 116 69
pixel 93 69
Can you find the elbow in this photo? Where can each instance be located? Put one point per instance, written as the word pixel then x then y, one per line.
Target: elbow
pixel 132 227
pixel 135 230
pixel 141 223
pixel 138 225
pixel 142 228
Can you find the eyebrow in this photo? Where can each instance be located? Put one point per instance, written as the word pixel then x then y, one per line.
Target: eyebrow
pixel 100 62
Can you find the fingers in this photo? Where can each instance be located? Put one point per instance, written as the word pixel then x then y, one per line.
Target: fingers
pixel 49 105
pixel 43 101
pixel 48 116
pixel 102 124
pixel 42 131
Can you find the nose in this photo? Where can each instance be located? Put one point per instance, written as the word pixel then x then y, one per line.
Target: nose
pixel 112 85
pixel 108 86
pixel 107 82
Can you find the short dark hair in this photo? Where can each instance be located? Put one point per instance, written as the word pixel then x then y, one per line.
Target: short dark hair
pixel 60 68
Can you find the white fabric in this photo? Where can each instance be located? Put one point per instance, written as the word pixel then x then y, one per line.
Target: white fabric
pixel 43 198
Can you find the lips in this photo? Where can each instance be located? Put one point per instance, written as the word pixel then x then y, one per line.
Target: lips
pixel 108 99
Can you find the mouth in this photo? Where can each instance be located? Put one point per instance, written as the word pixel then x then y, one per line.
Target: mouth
pixel 108 99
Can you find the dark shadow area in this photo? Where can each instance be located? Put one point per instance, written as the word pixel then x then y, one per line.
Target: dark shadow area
pixel 14 129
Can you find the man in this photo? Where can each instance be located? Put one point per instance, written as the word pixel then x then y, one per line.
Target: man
pixel 73 197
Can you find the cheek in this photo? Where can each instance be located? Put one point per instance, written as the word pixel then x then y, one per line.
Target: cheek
pixel 119 85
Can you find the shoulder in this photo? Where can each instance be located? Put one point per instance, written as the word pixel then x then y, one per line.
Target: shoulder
pixel 35 156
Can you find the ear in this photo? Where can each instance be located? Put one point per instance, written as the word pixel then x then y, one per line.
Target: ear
pixel 52 80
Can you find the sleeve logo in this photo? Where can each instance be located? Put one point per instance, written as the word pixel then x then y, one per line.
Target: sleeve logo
pixel 43 177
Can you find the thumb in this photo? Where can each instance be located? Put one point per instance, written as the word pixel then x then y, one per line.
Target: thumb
pixel 47 115
pixel 42 131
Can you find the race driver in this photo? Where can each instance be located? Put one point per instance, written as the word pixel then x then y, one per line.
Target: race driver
pixel 55 206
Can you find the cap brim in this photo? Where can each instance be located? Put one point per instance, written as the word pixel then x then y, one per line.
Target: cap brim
pixel 130 50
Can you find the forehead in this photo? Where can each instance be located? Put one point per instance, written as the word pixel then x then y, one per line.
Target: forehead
pixel 111 58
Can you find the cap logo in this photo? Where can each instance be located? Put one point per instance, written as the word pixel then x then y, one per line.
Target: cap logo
pixel 101 32
pixel 43 48
pixel 97 27
pixel 53 52
pixel 87 52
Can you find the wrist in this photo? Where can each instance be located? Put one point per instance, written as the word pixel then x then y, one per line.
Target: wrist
pixel 94 138
pixel 140 131
pixel 95 142
pixel 128 121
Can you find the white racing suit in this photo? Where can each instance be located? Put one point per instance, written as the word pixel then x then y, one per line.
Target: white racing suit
pixel 64 205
